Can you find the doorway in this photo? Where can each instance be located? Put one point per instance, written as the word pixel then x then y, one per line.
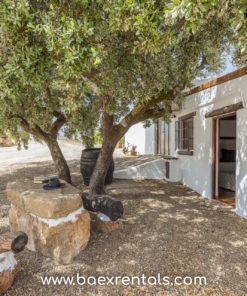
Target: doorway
pixel 224 159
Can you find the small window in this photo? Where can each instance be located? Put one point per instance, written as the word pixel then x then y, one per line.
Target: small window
pixel 185 134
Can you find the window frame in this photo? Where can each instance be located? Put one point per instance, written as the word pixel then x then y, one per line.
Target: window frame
pixel 184 134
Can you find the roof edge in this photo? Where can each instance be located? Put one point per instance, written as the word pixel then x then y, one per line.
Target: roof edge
pixel 230 76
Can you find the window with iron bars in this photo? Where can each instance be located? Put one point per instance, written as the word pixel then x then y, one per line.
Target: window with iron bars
pixel 185 134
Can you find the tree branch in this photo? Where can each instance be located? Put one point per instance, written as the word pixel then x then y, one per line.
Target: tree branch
pixel 152 114
pixel 58 123
pixel 203 63
pixel 35 130
pixel 143 110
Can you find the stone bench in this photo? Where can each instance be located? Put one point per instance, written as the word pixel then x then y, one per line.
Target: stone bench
pixel 55 221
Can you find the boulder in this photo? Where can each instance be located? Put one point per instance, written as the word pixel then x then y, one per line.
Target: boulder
pixel 8 269
pixel 32 198
pixel 60 239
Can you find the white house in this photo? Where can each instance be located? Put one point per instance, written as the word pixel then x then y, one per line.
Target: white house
pixel 205 144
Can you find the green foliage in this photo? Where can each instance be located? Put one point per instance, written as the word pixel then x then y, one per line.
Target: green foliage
pixel 196 14
pixel 34 80
pixel 82 58
pixel 98 137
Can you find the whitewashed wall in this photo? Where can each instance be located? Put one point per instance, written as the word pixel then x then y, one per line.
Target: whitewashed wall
pixel 143 137
pixel 241 182
pixel 197 169
pixel 136 136
pixel 150 140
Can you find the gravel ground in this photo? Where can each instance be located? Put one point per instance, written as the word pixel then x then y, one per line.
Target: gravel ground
pixel 167 229
pixel 36 152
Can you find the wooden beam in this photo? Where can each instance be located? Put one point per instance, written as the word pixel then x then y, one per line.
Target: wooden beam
pixel 187 116
pixel 233 75
pixel 214 143
pixel 225 110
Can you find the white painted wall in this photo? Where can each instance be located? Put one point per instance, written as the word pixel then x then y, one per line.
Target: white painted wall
pixel 143 137
pixel 196 170
pixel 154 169
pixel 150 140
pixel 136 136
pixel 241 171
pixel 150 170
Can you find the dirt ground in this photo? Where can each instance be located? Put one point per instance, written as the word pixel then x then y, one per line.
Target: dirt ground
pixel 167 229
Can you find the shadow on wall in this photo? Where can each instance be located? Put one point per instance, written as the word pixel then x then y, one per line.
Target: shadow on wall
pixel 125 162
pixel 241 170
pixel 197 169
pixel 230 90
pixel 150 140
pixel 154 169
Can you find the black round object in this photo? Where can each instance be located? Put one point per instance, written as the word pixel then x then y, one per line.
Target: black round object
pixel 88 161
pixel 53 183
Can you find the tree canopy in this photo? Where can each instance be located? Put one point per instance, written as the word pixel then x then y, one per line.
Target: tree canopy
pixel 54 52
pixel 117 62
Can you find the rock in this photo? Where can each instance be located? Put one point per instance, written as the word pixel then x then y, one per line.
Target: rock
pixel 32 198
pixel 55 221
pixel 60 239
pixel 8 269
pixel 104 226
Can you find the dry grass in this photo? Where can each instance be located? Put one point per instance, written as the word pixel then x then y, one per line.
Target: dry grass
pixel 168 229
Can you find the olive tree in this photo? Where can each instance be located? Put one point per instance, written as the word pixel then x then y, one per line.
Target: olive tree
pixel 36 95
pixel 135 58
pixel 147 53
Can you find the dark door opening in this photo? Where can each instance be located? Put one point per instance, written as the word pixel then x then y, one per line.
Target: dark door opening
pixel 224 159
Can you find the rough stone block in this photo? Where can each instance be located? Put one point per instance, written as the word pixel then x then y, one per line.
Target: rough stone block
pixel 32 198
pixel 60 239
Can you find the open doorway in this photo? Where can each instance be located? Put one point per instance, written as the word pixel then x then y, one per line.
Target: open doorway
pixel 225 159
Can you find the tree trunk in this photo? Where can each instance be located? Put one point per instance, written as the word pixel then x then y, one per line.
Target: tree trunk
pixel 97 180
pixel 105 204
pixel 59 160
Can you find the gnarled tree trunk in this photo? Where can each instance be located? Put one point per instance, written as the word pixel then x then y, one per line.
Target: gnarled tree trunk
pixel 113 133
pixel 58 158
pixel 110 138
pixel 97 180
pixel 50 138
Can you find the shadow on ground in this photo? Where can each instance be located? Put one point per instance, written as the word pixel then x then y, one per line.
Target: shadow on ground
pixel 168 229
